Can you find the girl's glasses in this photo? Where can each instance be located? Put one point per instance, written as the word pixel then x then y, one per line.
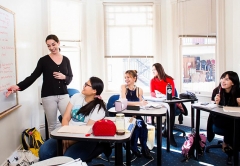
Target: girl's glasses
pixel 86 84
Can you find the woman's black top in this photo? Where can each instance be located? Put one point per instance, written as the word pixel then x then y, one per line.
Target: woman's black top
pixel 51 86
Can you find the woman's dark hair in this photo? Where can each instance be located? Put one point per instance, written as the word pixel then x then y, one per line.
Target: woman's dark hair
pixel 161 73
pixel 53 37
pixel 233 76
pixel 133 73
pixel 97 84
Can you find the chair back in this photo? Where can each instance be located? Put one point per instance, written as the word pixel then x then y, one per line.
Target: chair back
pixel 111 101
pixel 72 91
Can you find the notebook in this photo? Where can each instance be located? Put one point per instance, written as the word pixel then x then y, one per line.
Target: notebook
pixel 231 109
pixel 75 129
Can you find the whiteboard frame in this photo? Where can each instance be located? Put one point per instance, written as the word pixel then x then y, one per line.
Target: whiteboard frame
pixel 11 109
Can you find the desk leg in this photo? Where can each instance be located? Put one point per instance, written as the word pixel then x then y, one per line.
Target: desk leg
pixel 170 124
pixel 46 129
pixel 235 141
pixel 59 147
pixel 118 154
pixel 159 140
pixel 192 116
pixel 197 133
pixel 128 154
pixel 168 131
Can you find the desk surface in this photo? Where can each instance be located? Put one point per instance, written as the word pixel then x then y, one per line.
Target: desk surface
pixel 148 112
pixel 72 136
pixel 217 110
pixel 179 100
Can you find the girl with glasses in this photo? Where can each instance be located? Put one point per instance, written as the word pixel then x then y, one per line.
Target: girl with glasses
pixel 83 109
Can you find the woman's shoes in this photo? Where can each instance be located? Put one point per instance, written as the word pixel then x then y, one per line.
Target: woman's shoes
pixel 137 153
pixel 228 150
pixel 229 160
pixel 146 153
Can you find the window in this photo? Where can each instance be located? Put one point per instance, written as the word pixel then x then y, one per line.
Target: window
pixel 128 43
pixel 198 54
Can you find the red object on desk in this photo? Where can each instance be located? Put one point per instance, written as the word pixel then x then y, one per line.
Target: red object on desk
pixel 104 127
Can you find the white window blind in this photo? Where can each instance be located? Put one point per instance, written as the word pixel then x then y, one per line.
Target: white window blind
pixel 129 30
pixel 65 19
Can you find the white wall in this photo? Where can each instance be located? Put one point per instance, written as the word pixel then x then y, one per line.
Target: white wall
pixel 28 25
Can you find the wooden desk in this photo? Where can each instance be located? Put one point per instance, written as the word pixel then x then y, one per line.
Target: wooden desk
pixel 171 104
pixel 117 139
pixel 234 115
pixel 150 112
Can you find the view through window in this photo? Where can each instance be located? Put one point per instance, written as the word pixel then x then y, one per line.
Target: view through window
pixel 128 43
pixel 198 72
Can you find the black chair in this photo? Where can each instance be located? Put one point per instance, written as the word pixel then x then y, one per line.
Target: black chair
pixel 217 131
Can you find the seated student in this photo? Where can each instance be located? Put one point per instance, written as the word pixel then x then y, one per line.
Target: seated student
pixel 226 94
pixel 85 108
pixel 134 96
pixel 159 83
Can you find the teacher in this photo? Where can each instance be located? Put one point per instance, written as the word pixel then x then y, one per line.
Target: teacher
pixel 57 74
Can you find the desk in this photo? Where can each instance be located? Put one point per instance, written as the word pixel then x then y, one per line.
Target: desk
pixel 159 112
pixel 234 115
pixel 172 114
pixel 117 139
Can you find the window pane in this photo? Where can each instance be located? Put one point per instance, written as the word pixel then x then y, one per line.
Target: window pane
pixel 118 41
pixel 198 64
pixel 116 68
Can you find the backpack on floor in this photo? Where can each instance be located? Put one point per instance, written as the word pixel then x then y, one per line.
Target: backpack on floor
pixel 32 140
pixel 188 146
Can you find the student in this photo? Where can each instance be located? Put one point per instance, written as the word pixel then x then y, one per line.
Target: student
pixel 57 74
pixel 226 94
pixel 134 96
pixel 84 108
pixel 159 83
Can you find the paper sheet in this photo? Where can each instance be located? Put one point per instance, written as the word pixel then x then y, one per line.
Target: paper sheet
pixel 75 129
pixel 231 109
pixel 155 99
pixel 153 105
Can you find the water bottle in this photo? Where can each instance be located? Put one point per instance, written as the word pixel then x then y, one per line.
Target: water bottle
pixel 169 92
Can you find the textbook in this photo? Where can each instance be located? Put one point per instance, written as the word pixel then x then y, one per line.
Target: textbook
pixel 231 109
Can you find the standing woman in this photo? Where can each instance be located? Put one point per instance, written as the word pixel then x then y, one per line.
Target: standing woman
pixel 57 74
pixel 226 94
pixel 134 95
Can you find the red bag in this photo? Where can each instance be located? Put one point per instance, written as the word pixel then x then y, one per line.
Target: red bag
pixel 104 127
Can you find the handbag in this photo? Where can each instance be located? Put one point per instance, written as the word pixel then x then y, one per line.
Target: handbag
pixel 104 127
pixel 23 158
pixel 121 105
pixel 188 95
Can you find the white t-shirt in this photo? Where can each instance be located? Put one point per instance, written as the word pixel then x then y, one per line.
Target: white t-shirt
pixel 78 100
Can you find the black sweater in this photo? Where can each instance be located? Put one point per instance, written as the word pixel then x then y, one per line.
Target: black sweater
pixel 50 86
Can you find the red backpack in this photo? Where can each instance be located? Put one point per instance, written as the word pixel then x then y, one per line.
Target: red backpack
pixel 188 146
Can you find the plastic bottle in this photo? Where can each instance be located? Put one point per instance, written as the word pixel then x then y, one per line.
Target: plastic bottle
pixel 169 92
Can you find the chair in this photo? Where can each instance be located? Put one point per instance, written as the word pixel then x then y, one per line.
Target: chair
pixel 217 131
pixel 111 103
pixel 72 91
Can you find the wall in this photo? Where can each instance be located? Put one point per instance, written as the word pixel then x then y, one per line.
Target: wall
pixel 28 26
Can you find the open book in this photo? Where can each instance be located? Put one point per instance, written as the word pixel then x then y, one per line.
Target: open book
pixel 153 105
pixel 231 109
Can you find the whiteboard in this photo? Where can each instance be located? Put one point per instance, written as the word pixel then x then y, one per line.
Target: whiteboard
pixel 7 59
